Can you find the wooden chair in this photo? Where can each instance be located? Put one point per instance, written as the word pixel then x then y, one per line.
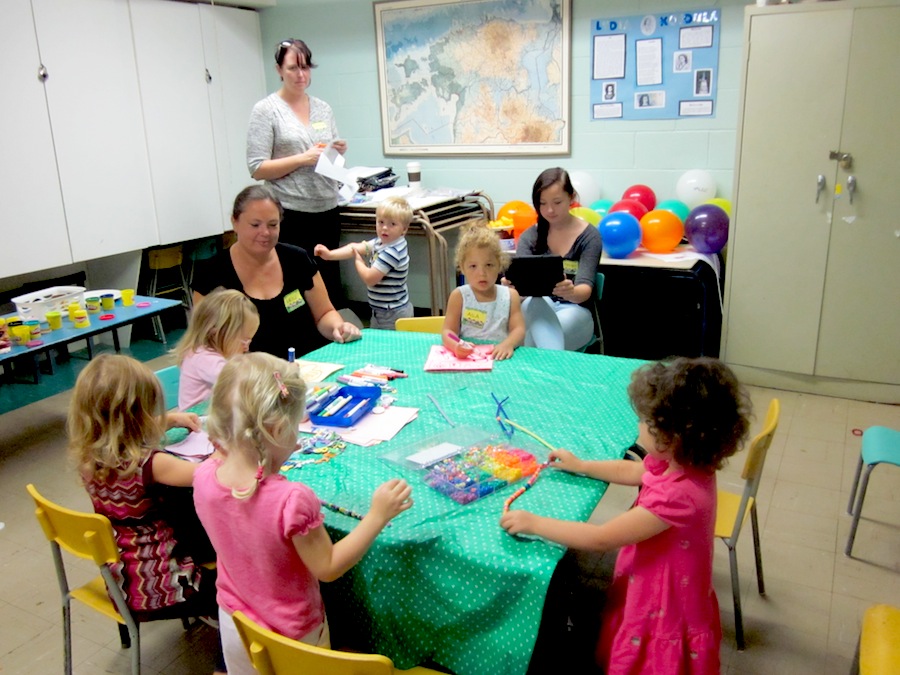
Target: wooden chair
pixel 733 510
pixel 880 445
pixel 274 654
pixel 421 324
pixel 89 536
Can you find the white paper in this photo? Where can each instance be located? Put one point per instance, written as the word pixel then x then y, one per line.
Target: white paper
pixel 609 56
pixel 649 62
pixel 331 165
pixel 195 446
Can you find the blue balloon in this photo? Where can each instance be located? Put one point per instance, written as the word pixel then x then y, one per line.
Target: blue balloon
pixel 706 228
pixel 620 232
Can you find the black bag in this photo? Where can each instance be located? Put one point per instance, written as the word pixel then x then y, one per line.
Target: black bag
pixel 385 179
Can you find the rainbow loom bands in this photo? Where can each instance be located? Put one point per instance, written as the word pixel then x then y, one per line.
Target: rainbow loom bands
pixel 480 471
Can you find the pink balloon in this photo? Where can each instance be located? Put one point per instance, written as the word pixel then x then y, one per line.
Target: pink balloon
pixel 643 194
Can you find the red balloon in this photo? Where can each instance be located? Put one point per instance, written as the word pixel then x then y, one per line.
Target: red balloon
pixel 632 206
pixel 661 231
pixel 643 194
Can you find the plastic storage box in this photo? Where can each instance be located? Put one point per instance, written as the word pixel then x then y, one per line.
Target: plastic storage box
pixel 345 407
pixel 54 299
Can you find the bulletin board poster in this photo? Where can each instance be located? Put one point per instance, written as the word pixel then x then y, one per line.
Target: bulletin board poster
pixel 655 66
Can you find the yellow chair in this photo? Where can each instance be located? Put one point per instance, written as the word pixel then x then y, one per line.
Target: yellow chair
pixel 274 654
pixel 879 641
pixel 89 536
pixel 733 510
pixel 168 258
pixel 421 324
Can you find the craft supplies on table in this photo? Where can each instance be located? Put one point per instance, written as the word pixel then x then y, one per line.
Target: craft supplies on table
pixel 345 406
pixel 441 358
pixel 54 299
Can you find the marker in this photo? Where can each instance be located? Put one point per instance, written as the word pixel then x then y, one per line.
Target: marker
pixel 356 407
pixel 336 405
pixel 291 354
pixel 454 337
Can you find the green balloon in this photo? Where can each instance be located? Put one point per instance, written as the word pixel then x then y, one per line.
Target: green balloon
pixel 601 206
pixel 679 208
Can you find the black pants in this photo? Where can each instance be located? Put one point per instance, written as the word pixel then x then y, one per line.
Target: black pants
pixel 308 229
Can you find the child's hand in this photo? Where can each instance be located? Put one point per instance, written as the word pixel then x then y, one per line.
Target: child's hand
pixel 565 460
pixel 322 251
pixel 390 499
pixel 502 351
pixel 518 522
pixel 182 419
pixel 463 349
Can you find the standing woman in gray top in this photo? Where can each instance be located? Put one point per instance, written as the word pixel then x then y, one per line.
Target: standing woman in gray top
pixel 288 132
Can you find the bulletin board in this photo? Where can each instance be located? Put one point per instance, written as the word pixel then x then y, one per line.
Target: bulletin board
pixel 655 66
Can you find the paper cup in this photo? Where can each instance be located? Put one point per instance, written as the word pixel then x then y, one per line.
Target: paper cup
pixel 127 297
pixel 414 172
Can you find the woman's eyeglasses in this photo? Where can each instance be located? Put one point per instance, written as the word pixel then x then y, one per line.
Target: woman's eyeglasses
pixel 283 46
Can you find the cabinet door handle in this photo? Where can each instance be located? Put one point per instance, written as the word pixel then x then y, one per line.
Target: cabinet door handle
pixel 42 73
pixel 208 76
pixel 851 186
pixel 820 186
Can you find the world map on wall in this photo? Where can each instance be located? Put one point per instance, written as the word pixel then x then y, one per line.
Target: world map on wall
pixel 473 76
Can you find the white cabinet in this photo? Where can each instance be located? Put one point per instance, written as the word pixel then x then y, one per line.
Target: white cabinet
pixel 813 280
pixel 175 99
pixel 32 224
pixel 98 128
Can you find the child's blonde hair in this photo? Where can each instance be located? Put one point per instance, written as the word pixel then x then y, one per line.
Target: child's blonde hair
pixel 257 399
pixel 115 415
pixel 477 234
pixel 216 322
pixel 396 209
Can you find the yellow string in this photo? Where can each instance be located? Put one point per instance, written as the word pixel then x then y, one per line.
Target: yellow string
pixel 530 433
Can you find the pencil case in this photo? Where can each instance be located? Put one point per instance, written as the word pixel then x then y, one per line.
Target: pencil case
pixel 346 406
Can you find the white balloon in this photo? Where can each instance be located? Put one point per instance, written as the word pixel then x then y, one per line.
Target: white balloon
pixel 695 187
pixel 587 188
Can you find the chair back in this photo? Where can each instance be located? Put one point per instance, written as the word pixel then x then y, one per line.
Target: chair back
pixel 170 379
pixel 274 654
pixel 756 459
pixel 86 535
pixel 420 324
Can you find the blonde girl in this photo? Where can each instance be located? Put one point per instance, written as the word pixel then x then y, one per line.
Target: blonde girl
pixel 268 532
pixel 116 421
pixel 222 325
pixel 482 309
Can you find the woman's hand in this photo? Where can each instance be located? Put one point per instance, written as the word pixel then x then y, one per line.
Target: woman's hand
pixel 340 145
pixel 345 332
pixel 565 460
pixel 565 289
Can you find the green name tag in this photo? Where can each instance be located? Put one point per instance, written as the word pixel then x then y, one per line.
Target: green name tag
pixel 293 300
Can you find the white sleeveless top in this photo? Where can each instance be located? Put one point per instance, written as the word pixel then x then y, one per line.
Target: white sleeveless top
pixel 484 320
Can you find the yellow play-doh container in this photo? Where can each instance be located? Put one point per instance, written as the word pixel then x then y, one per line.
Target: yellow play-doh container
pixel 54 319
pixel 92 305
pixel 81 319
pixel 73 307
pixel 127 297
pixel 108 301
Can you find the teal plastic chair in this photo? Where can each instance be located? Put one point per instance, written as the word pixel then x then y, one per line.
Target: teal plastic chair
pixel 595 310
pixel 880 445
pixel 169 378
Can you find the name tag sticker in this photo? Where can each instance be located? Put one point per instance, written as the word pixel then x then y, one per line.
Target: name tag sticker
pixel 475 317
pixel 570 267
pixel 293 300
pixel 318 126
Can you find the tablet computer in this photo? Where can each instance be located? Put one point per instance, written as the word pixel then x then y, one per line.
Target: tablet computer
pixel 535 274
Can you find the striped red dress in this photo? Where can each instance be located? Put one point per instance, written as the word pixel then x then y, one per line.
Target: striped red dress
pixel 148 574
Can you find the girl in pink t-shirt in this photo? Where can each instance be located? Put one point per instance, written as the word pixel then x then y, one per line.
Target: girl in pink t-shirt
pixel 661 614
pixel 271 544
pixel 222 325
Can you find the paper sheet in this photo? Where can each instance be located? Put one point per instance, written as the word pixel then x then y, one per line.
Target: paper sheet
pixel 195 446
pixel 440 358
pixel 316 371
pixel 372 428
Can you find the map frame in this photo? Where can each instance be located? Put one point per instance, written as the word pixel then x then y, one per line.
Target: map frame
pixel 395 143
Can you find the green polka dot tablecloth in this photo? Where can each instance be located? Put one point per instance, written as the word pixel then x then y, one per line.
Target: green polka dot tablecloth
pixel 445 582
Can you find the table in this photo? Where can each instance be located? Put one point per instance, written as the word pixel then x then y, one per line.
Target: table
pixel 436 214
pixel 122 316
pixel 445 583
pixel 659 306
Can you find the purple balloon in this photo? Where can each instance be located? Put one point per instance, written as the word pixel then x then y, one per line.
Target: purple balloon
pixel 620 232
pixel 706 228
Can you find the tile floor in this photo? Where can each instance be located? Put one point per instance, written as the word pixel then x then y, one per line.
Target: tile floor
pixel 808 622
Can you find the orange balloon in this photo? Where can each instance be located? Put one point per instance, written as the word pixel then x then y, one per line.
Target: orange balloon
pixel 521 213
pixel 661 231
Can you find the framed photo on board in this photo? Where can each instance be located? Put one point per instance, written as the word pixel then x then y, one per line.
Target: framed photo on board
pixel 477 77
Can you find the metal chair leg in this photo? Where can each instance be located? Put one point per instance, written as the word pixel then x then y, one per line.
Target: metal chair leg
pixel 67 637
pixel 754 522
pixel 736 592
pixel 848 551
pixel 855 485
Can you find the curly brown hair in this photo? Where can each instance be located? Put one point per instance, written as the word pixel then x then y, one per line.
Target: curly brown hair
pixel 695 406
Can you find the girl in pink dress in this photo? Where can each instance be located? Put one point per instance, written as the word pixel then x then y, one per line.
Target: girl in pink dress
pixel 222 325
pixel 661 614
